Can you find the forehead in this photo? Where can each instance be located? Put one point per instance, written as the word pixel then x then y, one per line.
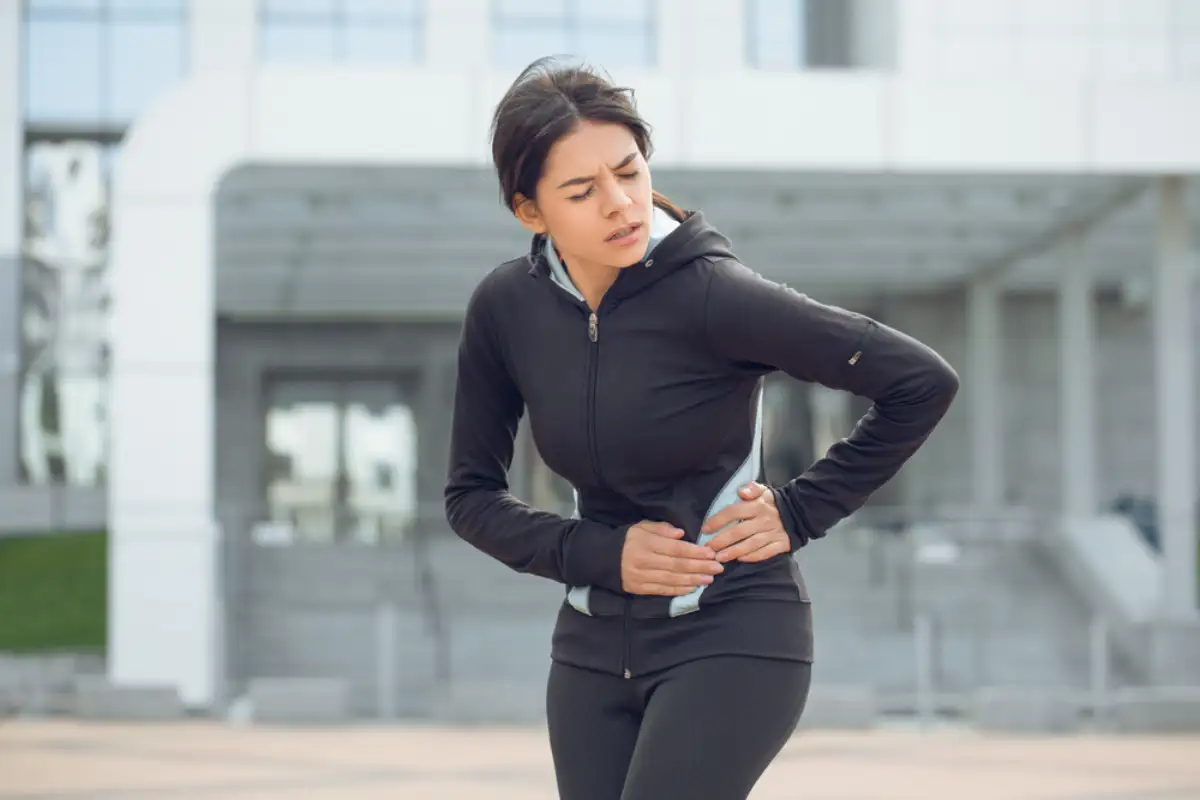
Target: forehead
pixel 588 148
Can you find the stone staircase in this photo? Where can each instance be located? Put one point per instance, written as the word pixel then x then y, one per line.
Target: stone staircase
pixel 1000 614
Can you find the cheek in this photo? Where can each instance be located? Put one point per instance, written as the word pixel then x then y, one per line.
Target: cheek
pixel 642 192
pixel 571 223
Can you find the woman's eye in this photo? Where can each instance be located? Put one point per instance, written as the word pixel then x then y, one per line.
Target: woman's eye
pixel 585 195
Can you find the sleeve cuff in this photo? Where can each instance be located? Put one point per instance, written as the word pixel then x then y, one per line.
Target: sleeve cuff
pixel 792 518
pixel 594 556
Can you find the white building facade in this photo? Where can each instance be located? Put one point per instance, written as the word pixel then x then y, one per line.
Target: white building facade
pixel 297 218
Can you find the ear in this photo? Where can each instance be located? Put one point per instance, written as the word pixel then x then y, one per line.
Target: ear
pixel 527 213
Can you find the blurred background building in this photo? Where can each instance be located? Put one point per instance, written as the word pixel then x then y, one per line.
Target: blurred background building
pixel 237 237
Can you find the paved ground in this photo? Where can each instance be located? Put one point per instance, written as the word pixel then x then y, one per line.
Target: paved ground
pixel 67 760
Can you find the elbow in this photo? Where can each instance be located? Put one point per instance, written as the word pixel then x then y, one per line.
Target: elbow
pixel 943 382
pixel 456 502
pixel 929 388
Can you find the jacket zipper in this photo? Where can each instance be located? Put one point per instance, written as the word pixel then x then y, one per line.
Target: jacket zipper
pixel 593 369
pixel 862 342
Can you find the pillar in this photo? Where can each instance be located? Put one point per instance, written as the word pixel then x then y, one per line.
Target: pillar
pixel 1175 401
pixel 986 404
pixel 1077 383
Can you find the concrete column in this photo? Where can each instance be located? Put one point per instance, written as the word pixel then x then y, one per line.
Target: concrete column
pixel 987 407
pixel 1175 401
pixel 11 223
pixel 1077 383
pixel 223 34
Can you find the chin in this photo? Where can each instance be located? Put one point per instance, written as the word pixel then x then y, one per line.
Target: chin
pixel 626 261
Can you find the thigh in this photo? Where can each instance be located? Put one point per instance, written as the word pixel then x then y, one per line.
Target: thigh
pixel 593 724
pixel 713 726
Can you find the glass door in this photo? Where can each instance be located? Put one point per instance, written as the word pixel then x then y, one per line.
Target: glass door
pixel 341 460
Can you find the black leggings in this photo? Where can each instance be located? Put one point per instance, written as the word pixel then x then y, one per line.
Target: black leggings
pixel 704 730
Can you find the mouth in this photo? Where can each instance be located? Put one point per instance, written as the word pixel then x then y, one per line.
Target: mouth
pixel 624 235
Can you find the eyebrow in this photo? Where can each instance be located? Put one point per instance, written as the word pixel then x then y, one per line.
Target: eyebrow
pixel 589 178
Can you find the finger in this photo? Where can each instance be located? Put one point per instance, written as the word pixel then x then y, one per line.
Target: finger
pixel 668 577
pixel 690 566
pixel 736 533
pixel 664 529
pixel 744 547
pixel 775 548
pixel 752 491
pixel 665 590
pixel 677 549
pixel 730 513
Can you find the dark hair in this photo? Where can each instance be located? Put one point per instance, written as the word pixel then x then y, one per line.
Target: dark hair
pixel 545 103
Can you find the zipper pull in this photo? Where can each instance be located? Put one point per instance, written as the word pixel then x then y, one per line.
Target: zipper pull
pixel 854 358
pixel 593 327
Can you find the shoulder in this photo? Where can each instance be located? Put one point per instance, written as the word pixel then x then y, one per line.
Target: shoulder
pixel 499 287
pixel 727 279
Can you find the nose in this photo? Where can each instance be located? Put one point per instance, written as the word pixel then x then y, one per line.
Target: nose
pixel 614 199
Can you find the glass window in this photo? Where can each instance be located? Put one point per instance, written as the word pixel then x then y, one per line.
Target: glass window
pixel 64 75
pixel 144 60
pixel 91 66
pixel 367 10
pixel 298 9
pixel 615 11
pixel 296 43
pixel 775 32
pixel 87 6
pixel 341 461
pixel 367 43
pixel 64 314
pixel 100 63
pixel 341 30
pixel 609 34
pixel 148 9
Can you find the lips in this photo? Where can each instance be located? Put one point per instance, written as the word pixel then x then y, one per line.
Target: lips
pixel 623 232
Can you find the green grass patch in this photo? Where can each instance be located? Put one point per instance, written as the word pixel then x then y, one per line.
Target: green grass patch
pixel 54 593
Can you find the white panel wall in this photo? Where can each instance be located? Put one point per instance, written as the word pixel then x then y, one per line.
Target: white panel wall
pixel 223 34
pixel 1057 39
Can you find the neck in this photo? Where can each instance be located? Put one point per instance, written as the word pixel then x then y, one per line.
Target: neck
pixel 592 280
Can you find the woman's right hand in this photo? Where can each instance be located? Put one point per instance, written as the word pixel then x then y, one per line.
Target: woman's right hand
pixel 655 560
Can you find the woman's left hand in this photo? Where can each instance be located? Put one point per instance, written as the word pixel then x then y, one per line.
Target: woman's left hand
pixel 758 533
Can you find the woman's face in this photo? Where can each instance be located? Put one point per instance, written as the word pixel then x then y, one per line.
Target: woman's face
pixel 594 198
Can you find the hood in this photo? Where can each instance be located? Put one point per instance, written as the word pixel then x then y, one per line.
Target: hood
pixel 673 245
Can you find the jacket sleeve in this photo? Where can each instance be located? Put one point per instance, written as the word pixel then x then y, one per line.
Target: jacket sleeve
pixel 760 326
pixel 479 505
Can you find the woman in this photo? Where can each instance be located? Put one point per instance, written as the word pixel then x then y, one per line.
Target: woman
pixel 638 343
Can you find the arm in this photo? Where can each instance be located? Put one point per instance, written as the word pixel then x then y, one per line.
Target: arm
pixel 479 506
pixel 761 326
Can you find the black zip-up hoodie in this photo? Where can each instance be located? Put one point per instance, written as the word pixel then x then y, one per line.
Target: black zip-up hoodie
pixel 651 408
